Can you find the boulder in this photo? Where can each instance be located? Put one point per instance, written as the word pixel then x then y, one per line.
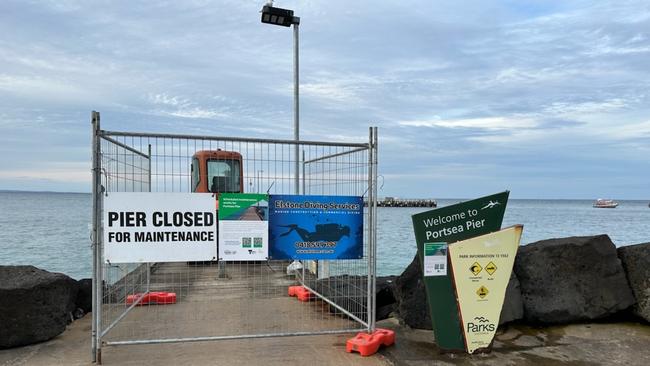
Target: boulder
pixel 411 299
pixel 384 288
pixel 385 311
pixel 513 305
pixel 571 279
pixel 385 298
pixel 636 262
pixel 35 305
pixel 85 296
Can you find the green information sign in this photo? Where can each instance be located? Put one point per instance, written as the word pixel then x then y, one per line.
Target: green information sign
pixel 243 227
pixel 451 224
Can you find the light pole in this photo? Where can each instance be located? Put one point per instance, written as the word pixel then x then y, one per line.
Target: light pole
pixel 285 18
pixel 258 181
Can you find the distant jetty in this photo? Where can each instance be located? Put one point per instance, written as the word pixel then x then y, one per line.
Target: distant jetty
pixel 405 202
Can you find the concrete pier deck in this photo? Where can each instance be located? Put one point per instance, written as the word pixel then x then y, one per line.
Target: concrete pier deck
pixel 73 348
pixel 572 345
pixel 237 299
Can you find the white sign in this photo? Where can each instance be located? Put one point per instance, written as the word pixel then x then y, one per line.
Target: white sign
pixel 144 227
pixel 243 240
pixel 435 259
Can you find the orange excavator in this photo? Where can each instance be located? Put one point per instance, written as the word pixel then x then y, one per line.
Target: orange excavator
pixel 217 171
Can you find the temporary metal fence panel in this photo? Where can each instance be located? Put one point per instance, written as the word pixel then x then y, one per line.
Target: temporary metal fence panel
pixel 224 299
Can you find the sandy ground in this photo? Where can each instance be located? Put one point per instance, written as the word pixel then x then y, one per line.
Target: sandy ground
pixel 575 345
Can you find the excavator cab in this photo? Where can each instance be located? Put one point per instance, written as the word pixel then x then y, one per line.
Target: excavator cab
pixel 217 171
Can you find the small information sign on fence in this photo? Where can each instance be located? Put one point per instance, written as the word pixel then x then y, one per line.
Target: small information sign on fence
pixel 243 227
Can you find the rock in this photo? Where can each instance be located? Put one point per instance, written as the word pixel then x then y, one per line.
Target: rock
pixel 636 262
pixel 35 305
pixel 385 311
pixel 78 313
pixel 411 298
pixel 85 296
pixel 571 279
pixel 384 288
pixel 513 305
pixel 385 298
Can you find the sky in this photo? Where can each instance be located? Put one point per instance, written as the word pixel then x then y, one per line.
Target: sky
pixel 548 99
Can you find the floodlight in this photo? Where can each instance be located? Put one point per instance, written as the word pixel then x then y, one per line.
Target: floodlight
pixel 278 16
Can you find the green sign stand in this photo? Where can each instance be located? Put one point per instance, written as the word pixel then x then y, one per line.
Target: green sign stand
pixel 451 224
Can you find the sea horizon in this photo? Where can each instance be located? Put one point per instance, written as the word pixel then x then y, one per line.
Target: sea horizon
pixel 386 196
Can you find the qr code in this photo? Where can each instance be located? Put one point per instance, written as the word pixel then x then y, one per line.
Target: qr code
pixel 257 242
pixel 246 242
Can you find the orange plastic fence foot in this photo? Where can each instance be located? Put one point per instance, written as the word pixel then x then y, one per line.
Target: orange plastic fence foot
pixel 301 293
pixel 368 343
pixel 149 298
pixel 292 290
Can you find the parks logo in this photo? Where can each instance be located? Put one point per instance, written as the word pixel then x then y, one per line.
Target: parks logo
pixel 480 325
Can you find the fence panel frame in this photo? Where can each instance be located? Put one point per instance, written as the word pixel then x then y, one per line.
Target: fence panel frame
pixel 100 330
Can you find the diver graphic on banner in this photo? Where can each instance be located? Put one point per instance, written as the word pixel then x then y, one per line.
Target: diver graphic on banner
pixel 315 227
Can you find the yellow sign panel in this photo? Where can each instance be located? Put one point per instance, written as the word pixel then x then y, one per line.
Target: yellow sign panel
pixel 491 268
pixel 476 268
pixel 481 293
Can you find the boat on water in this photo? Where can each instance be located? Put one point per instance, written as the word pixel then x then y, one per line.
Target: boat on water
pixel 603 203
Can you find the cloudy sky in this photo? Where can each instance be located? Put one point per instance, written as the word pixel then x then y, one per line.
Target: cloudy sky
pixel 549 99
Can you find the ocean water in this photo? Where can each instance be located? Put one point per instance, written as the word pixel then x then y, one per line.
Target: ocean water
pixel 627 224
pixel 52 230
pixel 48 230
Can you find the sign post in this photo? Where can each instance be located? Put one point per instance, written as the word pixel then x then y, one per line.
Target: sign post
pixel 448 225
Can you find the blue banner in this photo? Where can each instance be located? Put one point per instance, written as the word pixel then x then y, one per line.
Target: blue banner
pixel 315 227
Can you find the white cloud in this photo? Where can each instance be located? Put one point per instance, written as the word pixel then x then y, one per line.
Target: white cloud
pixel 626 131
pixel 578 109
pixel 485 123
pixel 183 107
